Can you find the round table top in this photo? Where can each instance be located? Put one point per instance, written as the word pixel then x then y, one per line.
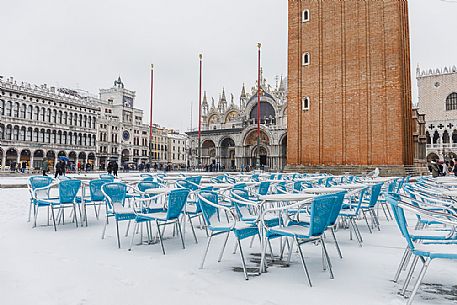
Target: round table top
pixel 286 197
pixel 218 185
pixel 159 190
pixel 453 183
pixel 308 179
pixel 450 193
pixel 323 190
pixel 351 186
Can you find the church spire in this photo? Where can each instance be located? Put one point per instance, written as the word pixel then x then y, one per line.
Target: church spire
pixel 205 103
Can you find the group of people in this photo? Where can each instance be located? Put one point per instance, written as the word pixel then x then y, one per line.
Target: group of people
pixel 112 168
pixel 443 168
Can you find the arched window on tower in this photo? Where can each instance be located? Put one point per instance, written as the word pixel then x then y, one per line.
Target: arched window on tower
pixel 305 16
pixel 451 101
pixel 306 59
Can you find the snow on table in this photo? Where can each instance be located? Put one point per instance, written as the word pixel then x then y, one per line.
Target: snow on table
pixel 74 266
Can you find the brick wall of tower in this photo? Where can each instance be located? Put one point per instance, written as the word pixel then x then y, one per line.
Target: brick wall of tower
pixel 358 81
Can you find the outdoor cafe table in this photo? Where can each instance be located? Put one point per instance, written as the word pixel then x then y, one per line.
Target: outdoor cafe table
pixel 159 190
pixel 323 190
pixel 351 186
pixel 218 185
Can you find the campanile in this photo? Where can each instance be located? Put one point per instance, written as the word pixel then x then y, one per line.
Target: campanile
pixel 349 84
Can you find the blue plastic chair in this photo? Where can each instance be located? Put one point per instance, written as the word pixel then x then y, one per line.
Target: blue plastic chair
pixel 350 212
pixel 211 209
pixel 176 202
pixel 426 252
pixel 264 187
pixel 68 189
pixel 96 197
pixel 107 177
pixel 322 209
pixel 368 206
pixel 116 206
pixel 38 187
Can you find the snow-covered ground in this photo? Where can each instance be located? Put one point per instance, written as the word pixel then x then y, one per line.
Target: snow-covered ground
pixel 74 266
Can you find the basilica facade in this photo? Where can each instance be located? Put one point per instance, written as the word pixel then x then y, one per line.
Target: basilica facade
pixel 229 130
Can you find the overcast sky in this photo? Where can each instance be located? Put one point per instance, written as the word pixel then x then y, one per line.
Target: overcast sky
pixel 87 44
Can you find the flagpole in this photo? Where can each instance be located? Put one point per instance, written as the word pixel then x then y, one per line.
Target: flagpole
pixel 200 114
pixel 150 117
pixel 259 45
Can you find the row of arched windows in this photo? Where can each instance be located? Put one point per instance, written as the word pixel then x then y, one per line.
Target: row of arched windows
pixel 36 113
pixel 24 134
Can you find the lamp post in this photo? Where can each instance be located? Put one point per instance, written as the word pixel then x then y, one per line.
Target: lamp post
pixel 200 56
pixel 259 45
pixel 150 117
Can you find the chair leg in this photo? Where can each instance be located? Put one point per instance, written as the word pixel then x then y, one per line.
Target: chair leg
pixel 160 237
pixel 223 247
pixel 419 280
pixel 303 263
pixel 128 227
pixel 206 250
pixel 400 267
pixel 289 256
pixel 104 228
pixel 243 261
pixel 324 248
pixel 133 235
pixel 357 232
pixel 410 275
pixel 30 211
pixel 75 218
pixel 118 237
pixel 366 220
pixel 53 219
pixel 35 215
pixel 193 229
pixel 336 242
pixel 178 224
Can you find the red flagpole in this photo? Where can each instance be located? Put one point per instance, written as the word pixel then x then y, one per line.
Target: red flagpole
pixel 200 113
pixel 150 116
pixel 259 45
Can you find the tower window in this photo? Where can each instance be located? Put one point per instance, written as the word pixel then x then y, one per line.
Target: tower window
pixel 305 59
pixel 305 103
pixel 305 16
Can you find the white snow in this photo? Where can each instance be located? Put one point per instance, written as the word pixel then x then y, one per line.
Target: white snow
pixel 74 266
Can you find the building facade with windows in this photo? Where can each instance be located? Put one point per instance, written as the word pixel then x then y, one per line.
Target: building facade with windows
pixel 177 153
pixel 122 135
pixel 39 122
pixel 437 100
pixel 229 130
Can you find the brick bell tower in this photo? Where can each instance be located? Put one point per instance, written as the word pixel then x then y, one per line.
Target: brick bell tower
pixel 349 91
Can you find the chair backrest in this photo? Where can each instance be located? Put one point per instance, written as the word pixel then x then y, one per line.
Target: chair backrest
pixel 328 182
pixel 186 184
pixel 391 186
pixel 68 189
pixel 263 188
pixel 115 192
pixel 241 209
pixel 321 210
pixel 399 215
pixel 281 188
pixel 240 185
pixel 95 187
pixel 194 179
pixel 255 178
pixel 176 201
pixel 145 175
pixel 336 207
pixel 108 177
pixel 210 213
pixel 39 181
pixel 375 191
pixel 146 185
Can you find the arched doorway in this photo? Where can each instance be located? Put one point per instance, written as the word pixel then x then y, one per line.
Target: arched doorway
pixel 250 143
pixel 51 156
pixel 228 153
pixel 91 161
pixel 1 158
pixel 72 160
pixel 283 156
pixel 208 153
pixel 38 156
pixel 11 158
pixel 81 161
pixel 61 154
pixel 25 157
pixel 432 156
pixel 125 156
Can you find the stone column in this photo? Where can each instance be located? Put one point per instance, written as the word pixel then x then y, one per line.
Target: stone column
pixel 4 160
pixel 31 161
